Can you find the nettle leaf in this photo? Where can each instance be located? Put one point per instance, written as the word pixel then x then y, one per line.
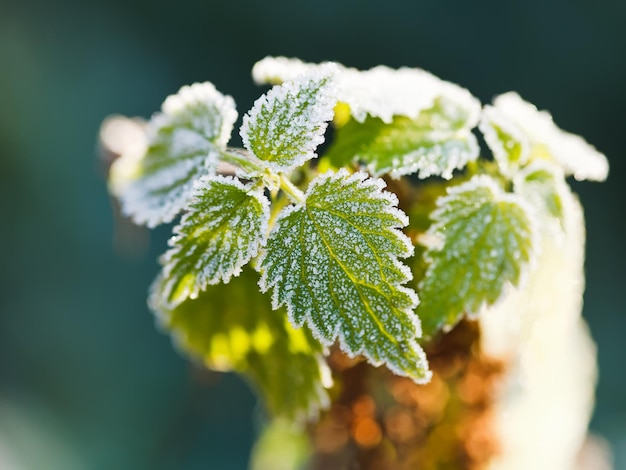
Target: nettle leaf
pixel 380 92
pixel 484 239
pixel 543 185
pixel 232 327
pixel 334 262
pixel 510 146
pixel 285 126
pixel 223 227
pixel 277 70
pixel 154 181
pixel 571 152
pixel 437 142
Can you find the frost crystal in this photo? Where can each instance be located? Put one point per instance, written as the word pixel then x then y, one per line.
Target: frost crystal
pixel 333 261
pixel 285 126
pixel 510 146
pixel 221 231
pixel 380 92
pixel 405 121
pixel 542 184
pixel 277 70
pixel 486 240
pixel 436 143
pixel 572 152
pixel 155 181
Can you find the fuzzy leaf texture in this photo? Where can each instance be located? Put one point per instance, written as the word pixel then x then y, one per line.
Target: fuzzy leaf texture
pixel 154 180
pixel 437 142
pixel 481 240
pixel 232 327
pixel 334 262
pixel 223 228
pixel 285 126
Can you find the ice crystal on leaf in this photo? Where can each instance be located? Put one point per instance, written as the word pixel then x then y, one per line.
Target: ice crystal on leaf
pixel 285 126
pixel 277 70
pixel 222 229
pixel 486 240
pixel 572 152
pixel 510 146
pixel 437 142
pixel 155 182
pixel 403 121
pixel 542 184
pixel 330 246
pixel 380 92
pixel 233 327
pixel 334 262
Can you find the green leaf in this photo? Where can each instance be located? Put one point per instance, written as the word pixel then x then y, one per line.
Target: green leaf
pixel 575 156
pixel 285 126
pixel 379 92
pixel 543 185
pixel 333 261
pixel 232 327
pixel 221 231
pixel 481 240
pixel 155 179
pixel 510 146
pixel 437 142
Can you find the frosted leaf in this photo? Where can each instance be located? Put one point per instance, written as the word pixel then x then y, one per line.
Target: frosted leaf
pixel 334 262
pixel 379 92
pixel 154 180
pixel 509 144
pixel 285 126
pixel 277 70
pixel 221 230
pixel 232 327
pixel 572 152
pixel 543 185
pixel 437 142
pixel 485 239
pixel 384 92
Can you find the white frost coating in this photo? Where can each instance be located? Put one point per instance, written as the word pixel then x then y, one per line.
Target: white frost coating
pixel 277 70
pixel 492 119
pixel 573 153
pixel 384 92
pixel 481 241
pixel 154 178
pixel 286 125
pixel 204 98
pixel 379 92
pixel 498 195
pixel 540 183
pixel 544 408
pixel 440 159
pixel 223 228
pixel 334 263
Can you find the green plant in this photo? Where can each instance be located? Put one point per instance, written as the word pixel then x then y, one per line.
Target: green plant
pixel 395 233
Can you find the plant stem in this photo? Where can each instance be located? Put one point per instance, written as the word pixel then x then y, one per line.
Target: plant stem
pixel 291 190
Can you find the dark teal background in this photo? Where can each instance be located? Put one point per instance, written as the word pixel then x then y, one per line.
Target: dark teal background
pixel 86 380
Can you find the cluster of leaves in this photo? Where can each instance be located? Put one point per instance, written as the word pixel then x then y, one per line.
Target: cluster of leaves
pixel 323 235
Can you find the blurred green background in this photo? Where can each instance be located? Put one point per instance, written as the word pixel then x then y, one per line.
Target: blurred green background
pixel 86 380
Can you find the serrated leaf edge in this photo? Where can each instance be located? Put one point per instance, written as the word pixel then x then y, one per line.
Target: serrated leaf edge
pixel 324 112
pixel 364 180
pixel 437 231
pixel 491 115
pixel 200 185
